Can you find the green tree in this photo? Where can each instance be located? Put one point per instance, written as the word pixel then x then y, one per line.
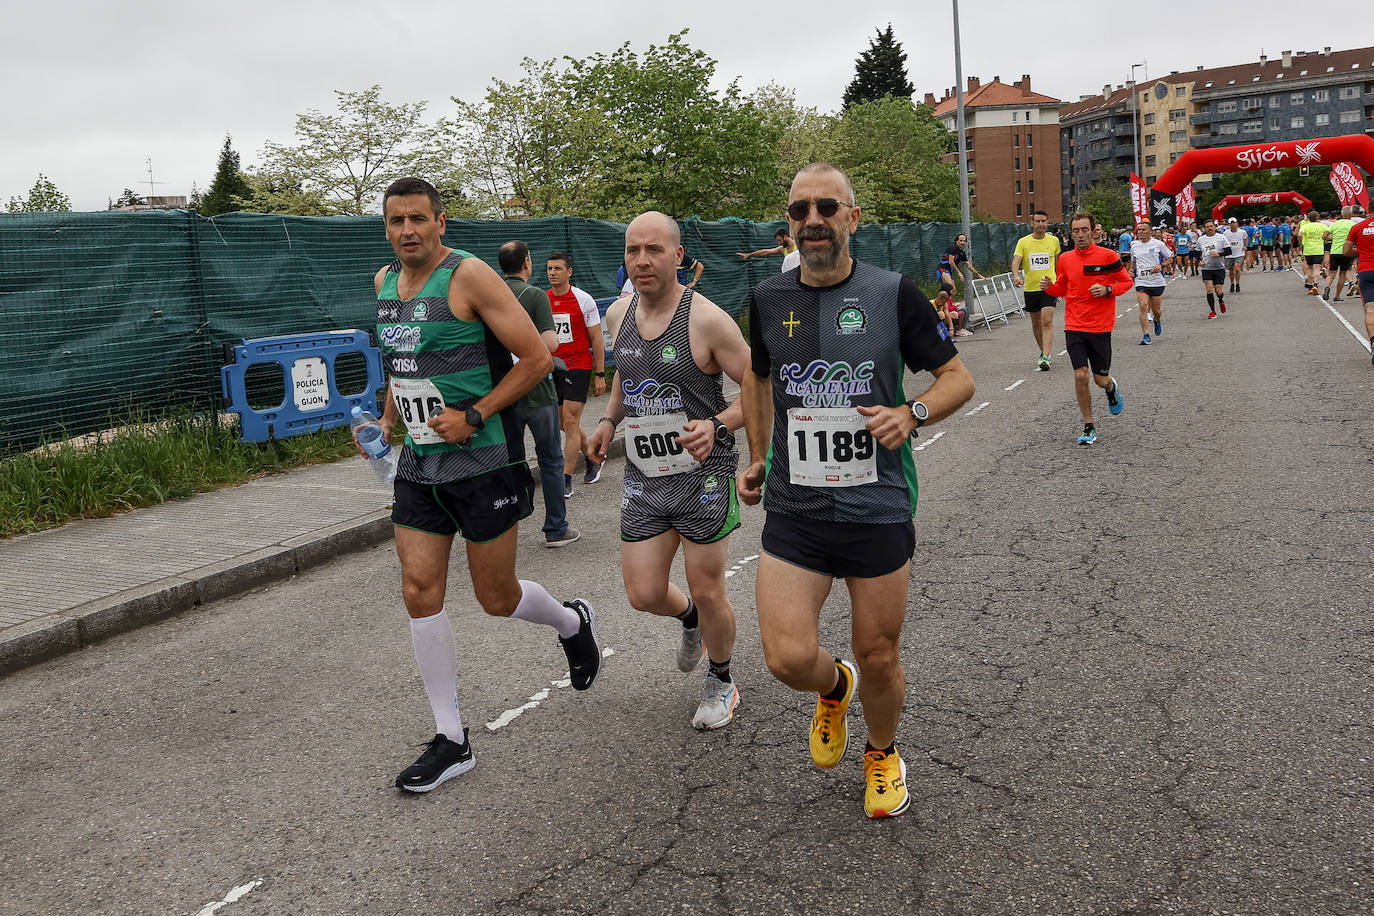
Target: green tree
pixel 127 199
pixel 879 71
pixel 1108 199
pixel 44 197
pixel 893 153
pixel 348 158
pixel 804 137
pixel 228 186
pixel 676 144
pixel 281 192
pixel 530 148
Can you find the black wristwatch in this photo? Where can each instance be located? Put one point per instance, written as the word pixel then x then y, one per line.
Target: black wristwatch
pixel 474 417
pixel 919 412
pixel 721 429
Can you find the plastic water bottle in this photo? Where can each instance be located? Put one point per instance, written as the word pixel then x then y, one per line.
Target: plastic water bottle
pixel 380 455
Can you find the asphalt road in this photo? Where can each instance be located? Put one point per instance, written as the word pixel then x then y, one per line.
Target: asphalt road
pixel 1139 681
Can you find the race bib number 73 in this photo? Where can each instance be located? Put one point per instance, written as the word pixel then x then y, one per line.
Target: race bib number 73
pixel 830 448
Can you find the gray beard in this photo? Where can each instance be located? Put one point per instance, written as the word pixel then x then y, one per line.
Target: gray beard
pixel 823 259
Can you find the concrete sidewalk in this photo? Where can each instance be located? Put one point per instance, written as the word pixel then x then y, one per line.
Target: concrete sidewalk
pixel 73 586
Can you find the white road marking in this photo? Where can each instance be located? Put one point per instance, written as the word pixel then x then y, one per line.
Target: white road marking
pixel 510 715
pixel 1062 352
pixel 970 413
pixel 1348 326
pixel 928 442
pixel 235 895
pixel 1014 385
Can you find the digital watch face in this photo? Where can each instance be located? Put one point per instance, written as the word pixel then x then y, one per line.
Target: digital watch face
pixel 1161 90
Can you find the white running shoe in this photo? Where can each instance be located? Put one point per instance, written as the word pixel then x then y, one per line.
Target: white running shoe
pixel 718 702
pixel 689 649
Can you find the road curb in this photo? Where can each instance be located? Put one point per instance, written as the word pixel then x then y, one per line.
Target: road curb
pixel 94 621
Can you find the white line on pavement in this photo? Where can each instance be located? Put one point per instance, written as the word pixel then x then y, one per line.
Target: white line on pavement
pixel 1014 385
pixel 233 896
pixel 1062 352
pixel 1348 326
pixel 510 715
pixel 928 442
pixel 970 413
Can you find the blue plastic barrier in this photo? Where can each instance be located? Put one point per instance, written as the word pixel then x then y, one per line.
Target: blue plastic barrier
pixel 313 401
pixel 603 306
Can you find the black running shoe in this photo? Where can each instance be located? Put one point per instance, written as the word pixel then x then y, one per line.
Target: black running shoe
pixel 441 761
pixel 582 649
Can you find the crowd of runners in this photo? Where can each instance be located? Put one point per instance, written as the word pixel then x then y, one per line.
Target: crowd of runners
pixel 474 359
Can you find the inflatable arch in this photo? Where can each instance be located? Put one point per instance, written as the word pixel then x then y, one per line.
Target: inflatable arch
pixel 1274 197
pixel 1357 148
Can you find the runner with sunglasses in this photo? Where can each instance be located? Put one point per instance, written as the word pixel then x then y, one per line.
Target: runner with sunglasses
pixel 830 428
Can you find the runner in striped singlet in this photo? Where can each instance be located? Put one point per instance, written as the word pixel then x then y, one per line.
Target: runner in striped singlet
pixel 671 346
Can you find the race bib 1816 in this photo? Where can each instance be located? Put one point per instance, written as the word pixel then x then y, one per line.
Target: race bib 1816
pixel 830 448
pixel 418 400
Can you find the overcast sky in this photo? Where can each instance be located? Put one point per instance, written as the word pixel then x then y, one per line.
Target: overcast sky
pixel 92 90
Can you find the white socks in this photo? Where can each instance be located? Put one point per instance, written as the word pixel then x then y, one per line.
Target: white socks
pixel 538 606
pixel 435 654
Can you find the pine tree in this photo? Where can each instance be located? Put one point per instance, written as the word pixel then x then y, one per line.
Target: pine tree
pixel 229 184
pixel 879 71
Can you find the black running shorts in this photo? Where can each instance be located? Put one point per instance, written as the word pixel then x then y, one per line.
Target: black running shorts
pixel 1215 276
pixel 1155 291
pixel 1366 278
pixel 1090 348
pixel 1342 261
pixel 839 549
pixel 481 508
pixel 576 384
pixel 1039 299
pixel 1314 258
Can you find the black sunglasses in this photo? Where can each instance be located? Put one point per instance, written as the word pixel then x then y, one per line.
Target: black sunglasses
pixel 826 207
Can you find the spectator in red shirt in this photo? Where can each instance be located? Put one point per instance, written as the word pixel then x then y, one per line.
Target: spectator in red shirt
pixel 1090 277
pixel 1360 242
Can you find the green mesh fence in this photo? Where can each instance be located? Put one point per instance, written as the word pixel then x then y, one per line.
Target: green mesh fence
pixel 108 315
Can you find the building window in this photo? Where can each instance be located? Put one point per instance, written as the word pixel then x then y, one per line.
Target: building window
pixel 1013 117
pixel 1323 119
pixel 1173 157
pixel 1030 162
pixel 1150 117
pixel 1028 117
pixel 1018 209
pixel 1015 141
pixel 1225 130
pixel 1253 127
pixel 1180 91
pixel 1017 163
pixel 1150 160
pixel 1178 114
pixel 1349 117
pixel 1178 136
pixel 1297 121
pixel 1274 124
pixel 1350 92
pixel 1274 101
pixel 1018 187
pixel 1149 139
pixel 1030 186
pixel 1321 95
pixel 1253 102
pixel 1295 98
pixel 1030 139
pixel 1222 107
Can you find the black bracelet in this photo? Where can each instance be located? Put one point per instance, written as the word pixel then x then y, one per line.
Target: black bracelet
pixel 607 420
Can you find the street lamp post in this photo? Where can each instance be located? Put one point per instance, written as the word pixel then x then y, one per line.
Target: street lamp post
pixel 1135 110
pixel 963 151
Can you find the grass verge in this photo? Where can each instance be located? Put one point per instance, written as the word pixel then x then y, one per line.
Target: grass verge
pixel 144 463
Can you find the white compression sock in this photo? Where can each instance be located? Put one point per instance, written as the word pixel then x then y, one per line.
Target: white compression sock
pixel 435 654
pixel 538 606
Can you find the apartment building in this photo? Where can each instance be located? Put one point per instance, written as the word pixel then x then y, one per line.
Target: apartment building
pixel 1007 128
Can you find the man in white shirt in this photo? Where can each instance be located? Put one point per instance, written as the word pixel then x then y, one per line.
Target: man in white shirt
pixel 1149 258
pixel 1238 240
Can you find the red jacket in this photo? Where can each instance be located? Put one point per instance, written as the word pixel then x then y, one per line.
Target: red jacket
pixel 1078 271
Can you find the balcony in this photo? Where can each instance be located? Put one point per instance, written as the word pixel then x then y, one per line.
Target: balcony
pixel 1123 130
pixel 1199 119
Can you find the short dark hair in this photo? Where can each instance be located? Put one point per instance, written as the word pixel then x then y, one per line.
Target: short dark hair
pixel 562 256
pixel 1083 214
pixel 512 256
pixel 1035 213
pixel 405 187
pixel 782 234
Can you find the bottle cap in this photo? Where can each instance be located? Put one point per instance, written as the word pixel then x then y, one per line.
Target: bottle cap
pixel 357 411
